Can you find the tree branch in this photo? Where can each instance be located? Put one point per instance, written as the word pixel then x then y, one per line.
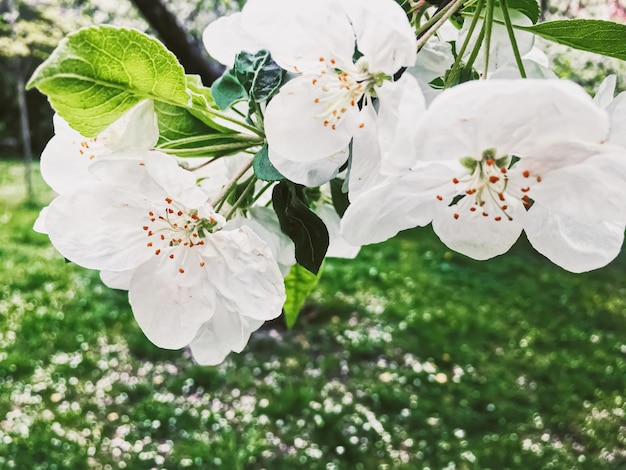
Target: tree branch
pixel 176 39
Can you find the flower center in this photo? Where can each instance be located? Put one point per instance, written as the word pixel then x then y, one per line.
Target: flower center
pixel 491 183
pixel 177 226
pixel 338 91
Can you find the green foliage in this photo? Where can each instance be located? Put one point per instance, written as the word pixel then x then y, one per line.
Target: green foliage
pixel 263 168
pixel 530 8
pixel 598 36
pixel 260 76
pixel 98 73
pixel 301 224
pixel 299 283
pixel 227 90
pixel 409 356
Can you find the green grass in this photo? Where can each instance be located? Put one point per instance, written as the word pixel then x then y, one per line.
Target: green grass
pixel 408 357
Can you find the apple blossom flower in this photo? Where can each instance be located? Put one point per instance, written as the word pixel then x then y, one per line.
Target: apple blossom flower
pixel 149 227
pixel 515 155
pixel 68 154
pixel 316 115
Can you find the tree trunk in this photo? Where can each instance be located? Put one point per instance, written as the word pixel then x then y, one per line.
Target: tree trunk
pixel 28 151
pixel 176 39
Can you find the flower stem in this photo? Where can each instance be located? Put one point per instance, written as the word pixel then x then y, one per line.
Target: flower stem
pixel 454 71
pixel 432 25
pixel 226 190
pixel 509 29
pixel 249 187
pixel 487 39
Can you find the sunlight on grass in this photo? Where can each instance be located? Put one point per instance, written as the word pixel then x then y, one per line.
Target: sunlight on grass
pixel 408 357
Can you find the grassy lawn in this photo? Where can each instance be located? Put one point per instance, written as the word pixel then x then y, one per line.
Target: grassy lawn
pixel 409 357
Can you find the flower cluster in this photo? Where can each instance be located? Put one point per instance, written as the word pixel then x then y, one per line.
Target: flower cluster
pixel 338 123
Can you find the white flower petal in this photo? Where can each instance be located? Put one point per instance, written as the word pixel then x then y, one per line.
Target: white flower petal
pixel 244 273
pixel 117 280
pixel 264 222
pixel 515 117
pixel 606 91
pixel 313 173
pixel 338 246
pixel 594 190
pixel 298 33
pixel 223 334
pixel 432 60
pixel 169 306
pixel 402 106
pixel 364 169
pixel 573 245
pixel 383 34
pixel 617 111
pixel 225 37
pixel 396 204
pixel 295 129
pixel 478 236
pixel 99 227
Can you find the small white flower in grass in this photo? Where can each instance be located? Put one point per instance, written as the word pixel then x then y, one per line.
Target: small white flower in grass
pixel 498 157
pixel 150 228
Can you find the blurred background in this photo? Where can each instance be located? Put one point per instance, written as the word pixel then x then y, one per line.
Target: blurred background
pixel 410 356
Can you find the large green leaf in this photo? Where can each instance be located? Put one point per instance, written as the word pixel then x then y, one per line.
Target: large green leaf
pixel 98 73
pixel 602 37
pixel 299 223
pixel 299 283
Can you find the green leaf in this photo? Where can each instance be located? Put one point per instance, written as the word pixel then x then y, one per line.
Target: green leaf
pixel 202 103
pixel 263 168
pixel 530 8
pixel 97 74
pixel 299 283
pixel 227 90
pixel 602 37
pixel 260 76
pixel 339 197
pixel 176 122
pixel 299 223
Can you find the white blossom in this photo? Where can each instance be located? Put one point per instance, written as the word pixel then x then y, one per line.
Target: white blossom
pixel 497 157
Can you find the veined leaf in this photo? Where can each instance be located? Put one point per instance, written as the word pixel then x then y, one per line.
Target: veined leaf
pixel 299 223
pixel 97 74
pixel 602 37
